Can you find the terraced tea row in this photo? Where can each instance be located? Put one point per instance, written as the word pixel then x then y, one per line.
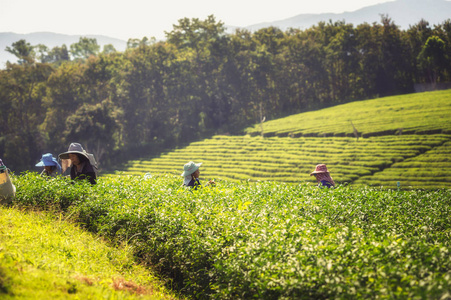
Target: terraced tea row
pixel 430 170
pixel 421 113
pixel 287 159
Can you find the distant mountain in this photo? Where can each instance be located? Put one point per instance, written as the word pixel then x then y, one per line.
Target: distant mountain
pixel 50 40
pixel 403 12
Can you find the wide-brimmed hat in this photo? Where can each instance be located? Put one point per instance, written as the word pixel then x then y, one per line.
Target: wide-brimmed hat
pixel 74 148
pixel 190 168
pixel 48 160
pixel 320 169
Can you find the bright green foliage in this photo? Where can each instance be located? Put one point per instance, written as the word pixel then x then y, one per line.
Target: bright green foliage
pixel 43 257
pixel 428 170
pixel 269 240
pixel 420 113
pixel 287 159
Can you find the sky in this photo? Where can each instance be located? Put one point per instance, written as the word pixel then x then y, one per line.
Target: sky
pixel 151 18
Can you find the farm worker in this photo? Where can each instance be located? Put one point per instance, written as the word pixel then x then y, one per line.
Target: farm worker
pixel 7 188
pixel 322 176
pixel 50 164
pixel 191 173
pixel 82 164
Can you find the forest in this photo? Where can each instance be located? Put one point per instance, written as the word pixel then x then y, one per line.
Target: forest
pixel 201 81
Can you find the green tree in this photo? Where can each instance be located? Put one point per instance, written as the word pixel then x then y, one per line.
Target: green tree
pixel 59 54
pixel 368 50
pixel 107 49
pixel 432 58
pixel 394 74
pixel 41 53
pixel 94 126
pixel 340 61
pixel 23 51
pixel 22 88
pixel 84 48
pixel 195 33
pixel 303 75
pixel 443 31
pixel 200 46
pixel 64 95
pixel 145 41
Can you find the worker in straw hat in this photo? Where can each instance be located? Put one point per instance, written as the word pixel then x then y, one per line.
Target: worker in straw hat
pixel 50 164
pixel 322 176
pixel 81 163
pixel 191 173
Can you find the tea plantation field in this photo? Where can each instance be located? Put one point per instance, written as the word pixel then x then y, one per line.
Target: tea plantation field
pixel 405 139
pixel 265 240
pixel 420 113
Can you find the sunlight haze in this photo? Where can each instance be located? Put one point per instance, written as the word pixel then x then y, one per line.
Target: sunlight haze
pixel 136 19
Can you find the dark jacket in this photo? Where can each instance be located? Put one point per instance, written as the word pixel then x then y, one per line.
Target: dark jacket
pixel 194 183
pixel 87 172
pixel 325 183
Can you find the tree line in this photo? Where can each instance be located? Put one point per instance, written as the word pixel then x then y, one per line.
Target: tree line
pixel 201 81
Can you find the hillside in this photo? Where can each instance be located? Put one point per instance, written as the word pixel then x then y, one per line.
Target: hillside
pixel 404 13
pixel 420 113
pixel 42 257
pixel 404 139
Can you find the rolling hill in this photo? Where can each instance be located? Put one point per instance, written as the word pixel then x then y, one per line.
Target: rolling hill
pixel 404 13
pixel 405 139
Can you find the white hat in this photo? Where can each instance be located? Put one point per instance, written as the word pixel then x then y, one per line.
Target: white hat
pixel 190 168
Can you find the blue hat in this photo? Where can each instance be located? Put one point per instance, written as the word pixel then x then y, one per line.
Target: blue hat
pixel 48 160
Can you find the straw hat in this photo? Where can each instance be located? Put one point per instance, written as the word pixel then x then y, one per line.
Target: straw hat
pixel 74 148
pixel 321 168
pixel 190 168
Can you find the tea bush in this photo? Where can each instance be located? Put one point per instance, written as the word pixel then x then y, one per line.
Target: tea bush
pixel 267 240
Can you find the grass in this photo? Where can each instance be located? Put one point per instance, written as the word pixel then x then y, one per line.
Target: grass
pixel 44 257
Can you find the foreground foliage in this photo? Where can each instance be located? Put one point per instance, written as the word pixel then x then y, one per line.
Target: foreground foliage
pixel 42 257
pixel 268 240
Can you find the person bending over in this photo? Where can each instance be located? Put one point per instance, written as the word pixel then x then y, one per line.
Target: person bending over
pixel 322 176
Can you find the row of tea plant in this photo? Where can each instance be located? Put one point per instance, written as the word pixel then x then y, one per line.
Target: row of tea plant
pixel 266 240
